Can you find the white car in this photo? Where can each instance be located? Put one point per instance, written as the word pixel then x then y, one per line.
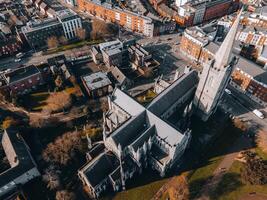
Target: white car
pixel 17 60
pixel 258 114
pixel 228 91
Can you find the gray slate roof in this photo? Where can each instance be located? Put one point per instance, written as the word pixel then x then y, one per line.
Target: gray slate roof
pixel 14 145
pixel 175 91
pixel 101 168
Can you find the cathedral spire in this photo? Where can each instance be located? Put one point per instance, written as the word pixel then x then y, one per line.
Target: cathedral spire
pixel 223 55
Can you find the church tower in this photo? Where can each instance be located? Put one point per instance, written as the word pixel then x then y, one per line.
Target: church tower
pixel 215 76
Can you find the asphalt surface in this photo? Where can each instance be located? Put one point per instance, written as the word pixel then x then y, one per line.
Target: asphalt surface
pixel 37 58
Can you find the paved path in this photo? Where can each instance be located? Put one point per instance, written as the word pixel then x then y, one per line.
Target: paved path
pixel 62 117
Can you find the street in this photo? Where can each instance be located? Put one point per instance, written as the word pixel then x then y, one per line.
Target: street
pixel 38 58
pixel 243 110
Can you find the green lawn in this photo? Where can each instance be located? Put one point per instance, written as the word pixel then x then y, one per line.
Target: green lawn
pixel 232 188
pixel 145 192
pixel 73 45
pixel 213 156
pixel 140 187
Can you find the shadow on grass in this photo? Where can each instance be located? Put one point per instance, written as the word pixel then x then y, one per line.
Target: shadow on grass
pixel 196 186
pixel 229 183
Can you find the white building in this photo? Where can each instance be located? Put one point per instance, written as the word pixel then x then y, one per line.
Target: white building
pixel 70 21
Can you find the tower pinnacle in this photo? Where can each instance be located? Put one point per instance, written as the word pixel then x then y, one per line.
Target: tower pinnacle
pixel 223 55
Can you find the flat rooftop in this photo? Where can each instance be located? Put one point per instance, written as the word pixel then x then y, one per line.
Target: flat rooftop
pixel 96 80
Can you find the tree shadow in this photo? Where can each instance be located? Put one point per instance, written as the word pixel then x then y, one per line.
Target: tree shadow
pixel 229 183
pixel 196 186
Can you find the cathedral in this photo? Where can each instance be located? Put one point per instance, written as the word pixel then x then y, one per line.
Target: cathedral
pixel 136 137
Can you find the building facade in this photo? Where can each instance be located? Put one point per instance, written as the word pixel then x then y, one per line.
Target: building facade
pixel 65 24
pixel 125 18
pixel 22 166
pixel 189 13
pixel 23 80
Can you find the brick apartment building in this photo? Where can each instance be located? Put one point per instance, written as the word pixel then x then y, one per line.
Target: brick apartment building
pixel 248 77
pixel 125 18
pixel 252 35
pixel 195 12
pixel 23 80
pixel 9 46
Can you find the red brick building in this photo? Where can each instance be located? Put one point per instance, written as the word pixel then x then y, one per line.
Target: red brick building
pixel 196 12
pixel 248 77
pixel 9 46
pixel 130 20
pixel 23 80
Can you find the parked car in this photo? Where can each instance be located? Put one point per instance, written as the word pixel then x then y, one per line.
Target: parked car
pixel 228 91
pixel 258 113
pixel 17 60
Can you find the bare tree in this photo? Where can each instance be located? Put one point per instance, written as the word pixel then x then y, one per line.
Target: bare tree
pixel 8 122
pixel 262 140
pixel 101 28
pixel 104 104
pixel 52 42
pixel 81 33
pixel 52 178
pixel 65 195
pixel 58 101
pixel 63 40
pixel 64 148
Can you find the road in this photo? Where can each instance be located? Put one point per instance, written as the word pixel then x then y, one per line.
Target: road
pixel 37 58
pixel 243 110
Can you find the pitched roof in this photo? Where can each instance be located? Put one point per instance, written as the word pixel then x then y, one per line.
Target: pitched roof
pixel 164 100
pixel 143 138
pixel 126 102
pixel 130 130
pixel 100 168
pixel 118 75
pixel 18 155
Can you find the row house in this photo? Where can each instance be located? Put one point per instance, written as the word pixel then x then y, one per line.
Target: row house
pixel 23 80
pixel 195 12
pixel 252 36
pixel 247 77
pixel 127 19
pixel 9 46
